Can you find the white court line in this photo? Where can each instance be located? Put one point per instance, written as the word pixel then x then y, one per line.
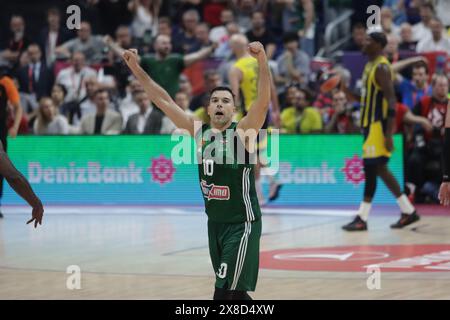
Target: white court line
pixel 110 210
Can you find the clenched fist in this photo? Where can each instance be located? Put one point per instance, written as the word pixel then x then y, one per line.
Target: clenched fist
pixel 256 49
pixel 131 58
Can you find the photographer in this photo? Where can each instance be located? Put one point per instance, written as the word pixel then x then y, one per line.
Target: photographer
pixel 342 116
pixel 424 162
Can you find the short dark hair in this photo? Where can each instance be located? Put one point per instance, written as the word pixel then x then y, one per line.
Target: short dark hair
pixel 221 88
pixel 62 87
pixel 379 37
pixel 358 25
pixel 290 36
pixel 308 94
pixel 420 64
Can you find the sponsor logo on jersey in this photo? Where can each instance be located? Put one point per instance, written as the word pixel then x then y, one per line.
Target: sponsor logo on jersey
pixel 212 191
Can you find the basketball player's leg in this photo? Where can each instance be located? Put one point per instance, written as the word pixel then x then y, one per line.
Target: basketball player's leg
pixel 408 212
pixel 239 261
pixel 359 223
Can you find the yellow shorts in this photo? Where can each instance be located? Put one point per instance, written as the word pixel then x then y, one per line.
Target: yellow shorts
pixel 374 144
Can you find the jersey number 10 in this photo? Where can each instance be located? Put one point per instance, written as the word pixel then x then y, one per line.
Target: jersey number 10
pixel 208 167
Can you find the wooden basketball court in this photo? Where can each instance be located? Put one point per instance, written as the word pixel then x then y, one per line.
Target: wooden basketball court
pixel 162 253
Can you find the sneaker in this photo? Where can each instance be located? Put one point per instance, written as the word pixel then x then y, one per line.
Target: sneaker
pixel 405 220
pixel 357 224
pixel 274 191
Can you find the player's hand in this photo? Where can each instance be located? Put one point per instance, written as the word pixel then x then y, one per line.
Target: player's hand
pixel 131 58
pixel 256 50
pixel 389 143
pixel 12 132
pixel 36 215
pixel 444 193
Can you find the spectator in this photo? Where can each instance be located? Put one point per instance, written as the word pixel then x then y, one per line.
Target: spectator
pixel 422 30
pixel 438 41
pixel 145 17
pixel 58 95
pixel 52 36
pixel 48 120
pixel 413 90
pixel 424 162
pixel 341 115
pixel 148 120
pixel 103 121
pixel 87 104
pixel 219 33
pixel 16 42
pixel 260 33
pixel 407 42
pixel 73 77
pixel 302 118
pixel 293 63
pixel 36 78
pixel 212 79
pixel 186 37
pixel 299 17
pixel 358 36
pixel 128 105
pixel 201 37
pixel 165 68
pixel 442 10
pixel 389 28
pixel 91 46
pixel 242 10
pixel 224 50
pixel 391 48
pixel 182 100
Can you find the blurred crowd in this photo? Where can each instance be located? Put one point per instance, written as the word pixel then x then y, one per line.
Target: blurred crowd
pixel 74 81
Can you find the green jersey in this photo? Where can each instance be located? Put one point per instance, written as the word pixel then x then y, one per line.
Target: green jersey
pixel 227 180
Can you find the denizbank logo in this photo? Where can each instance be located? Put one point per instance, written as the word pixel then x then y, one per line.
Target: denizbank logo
pixel 93 173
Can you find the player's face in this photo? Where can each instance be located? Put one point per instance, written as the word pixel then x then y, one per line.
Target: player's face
pixel 369 45
pixel 221 108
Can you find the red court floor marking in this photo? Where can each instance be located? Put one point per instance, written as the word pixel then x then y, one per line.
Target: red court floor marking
pixel 389 258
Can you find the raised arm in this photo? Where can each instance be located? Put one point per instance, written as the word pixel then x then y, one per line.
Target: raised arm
pixel 258 110
pixel 444 191
pixel 198 55
pixel 158 95
pixel 21 186
pixel 402 64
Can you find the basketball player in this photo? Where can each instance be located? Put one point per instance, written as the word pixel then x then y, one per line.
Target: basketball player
pixel 231 203
pixel 377 124
pixel 444 191
pixel 20 184
pixel 243 79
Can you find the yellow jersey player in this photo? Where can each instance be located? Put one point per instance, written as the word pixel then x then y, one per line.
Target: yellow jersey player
pixel 377 125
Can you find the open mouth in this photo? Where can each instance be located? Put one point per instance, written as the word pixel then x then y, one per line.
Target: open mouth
pixel 219 113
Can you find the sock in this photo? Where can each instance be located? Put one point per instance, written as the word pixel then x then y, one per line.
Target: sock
pixel 405 205
pixel 364 210
pixel 411 187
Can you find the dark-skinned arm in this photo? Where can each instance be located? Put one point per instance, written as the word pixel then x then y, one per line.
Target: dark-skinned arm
pixel 21 186
pixel 383 77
